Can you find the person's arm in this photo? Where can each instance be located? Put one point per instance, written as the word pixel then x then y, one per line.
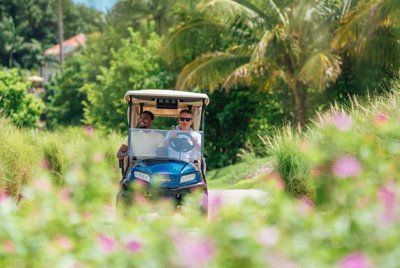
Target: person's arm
pixel 122 151
pixel 196 139
pixel 170 135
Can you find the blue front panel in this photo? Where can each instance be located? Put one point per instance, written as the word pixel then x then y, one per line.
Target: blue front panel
pixel 165 173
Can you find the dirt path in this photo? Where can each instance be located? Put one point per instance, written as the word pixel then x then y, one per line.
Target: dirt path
pixel 230 197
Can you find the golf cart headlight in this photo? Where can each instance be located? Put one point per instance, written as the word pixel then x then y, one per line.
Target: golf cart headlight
pixel 142 176
pixel 187 178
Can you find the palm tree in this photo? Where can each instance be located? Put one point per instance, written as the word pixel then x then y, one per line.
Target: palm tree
pixel 12 39
pixel 371 31
pixel 270 44
pixel 139 14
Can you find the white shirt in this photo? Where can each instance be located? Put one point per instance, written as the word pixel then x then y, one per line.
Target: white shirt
pixel 146 143
pixel 193 154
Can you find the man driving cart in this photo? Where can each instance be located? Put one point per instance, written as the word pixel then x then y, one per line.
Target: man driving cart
pixel 171 160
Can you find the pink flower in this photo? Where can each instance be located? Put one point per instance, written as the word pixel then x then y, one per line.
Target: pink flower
pixel 9 246
pixel 215 205
pixel 65 243
pixel 341 120
pixel 194 251
pixel 65 195
pixel 346 166
pixel 98 157
pixel 133 246
pixel 42 184
pixel 355 260
pixel 387 198
pixel 89 131
pixel 305 205
pixel 106 243
pixel 44 163
pixel 268 236
pixel 3 196
pixel 381 118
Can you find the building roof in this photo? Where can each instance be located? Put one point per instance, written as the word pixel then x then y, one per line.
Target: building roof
pixel 68 45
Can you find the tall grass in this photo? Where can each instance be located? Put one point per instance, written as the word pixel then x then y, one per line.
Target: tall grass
pixel 23 151
pixel 17 157
pixel 289 161
pixel 339 131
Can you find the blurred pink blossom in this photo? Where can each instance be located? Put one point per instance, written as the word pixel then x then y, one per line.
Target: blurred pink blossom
pixel 107 244
pixel 44 163
pixel 355 260
pixel 65 195
pixel 110 210
pixel 277 181
pixel 268 236
pixel 98 157
pixel 341 120
pixel 133 245
pixel 3 196
pixel 214 202
pixel 381 118
pixel 42 184
pixel 387 198
pixel 346 166
pixel 194 251
pixel 89 130
pixel 65 243
pixel 9 246
pixel 305 205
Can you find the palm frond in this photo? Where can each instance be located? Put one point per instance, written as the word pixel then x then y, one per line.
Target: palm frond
pixel 239 76
pixel 209 70
pixel 184 37
pixel 281 15
pixel 364 21
pixel 258 56
pixel 382 50
pixel 230 11
pixel 320 69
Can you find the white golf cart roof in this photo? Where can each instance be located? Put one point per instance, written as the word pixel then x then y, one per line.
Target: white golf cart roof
pixel 166 103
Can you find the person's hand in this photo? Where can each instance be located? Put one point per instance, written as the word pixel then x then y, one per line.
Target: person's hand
pixel 122 151
pixel 195 140
pixel 173 135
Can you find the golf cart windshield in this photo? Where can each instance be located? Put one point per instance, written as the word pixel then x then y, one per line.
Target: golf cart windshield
pixel 166 144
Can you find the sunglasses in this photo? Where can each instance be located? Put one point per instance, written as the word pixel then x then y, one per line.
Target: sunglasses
pixel 185 119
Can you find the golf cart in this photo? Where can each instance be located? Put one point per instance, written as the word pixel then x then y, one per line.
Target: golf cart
pixel 149 160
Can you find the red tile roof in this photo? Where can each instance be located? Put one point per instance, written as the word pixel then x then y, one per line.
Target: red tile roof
pixel 68 45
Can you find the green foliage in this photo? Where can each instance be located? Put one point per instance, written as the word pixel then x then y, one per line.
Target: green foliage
pixel 366 136
pixel 135 65
pixel 234 120
pixel 141 14
pixel 22 108
pixel 290 162
pixel 268 46
pixel 356 224
pixel 65 103
pixel 351 140
pixel 30 26
pixel 17 157
pixel 23 151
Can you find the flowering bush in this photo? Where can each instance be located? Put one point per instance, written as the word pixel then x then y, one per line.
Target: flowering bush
pixel 351 219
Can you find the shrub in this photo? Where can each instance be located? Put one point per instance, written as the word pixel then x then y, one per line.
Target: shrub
pixel 22 108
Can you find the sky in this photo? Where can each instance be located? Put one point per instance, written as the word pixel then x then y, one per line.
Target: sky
pixel 102 5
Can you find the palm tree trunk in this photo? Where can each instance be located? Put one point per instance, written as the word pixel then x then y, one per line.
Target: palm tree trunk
pixel 300 98
pixel 60 33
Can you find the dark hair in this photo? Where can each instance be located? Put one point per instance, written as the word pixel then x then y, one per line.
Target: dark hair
pixel 149 114
pixel 185 111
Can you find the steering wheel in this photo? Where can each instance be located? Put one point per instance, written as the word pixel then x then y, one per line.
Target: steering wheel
pixel 182 143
